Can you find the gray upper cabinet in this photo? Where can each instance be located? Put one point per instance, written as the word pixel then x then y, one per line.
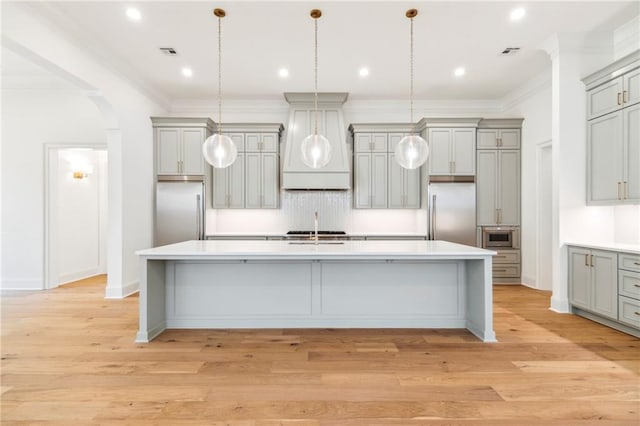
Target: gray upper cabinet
pixel 613 133
pixel 498 138
pixel 452 151
pixel 379 181
pixel 253 180
pixel 178 144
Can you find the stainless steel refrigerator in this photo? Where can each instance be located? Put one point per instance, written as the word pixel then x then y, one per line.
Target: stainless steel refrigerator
pixel 179 209
pixel 451 209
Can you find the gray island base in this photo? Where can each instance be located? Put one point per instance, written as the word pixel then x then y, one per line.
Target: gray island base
pixel 352 284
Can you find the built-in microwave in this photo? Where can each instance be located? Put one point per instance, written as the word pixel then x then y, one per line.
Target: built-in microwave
pixel 501 237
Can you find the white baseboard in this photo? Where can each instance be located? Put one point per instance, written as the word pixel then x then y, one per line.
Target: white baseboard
pixel 22 284
pixel 560 306
pixel 529 281
pixel 121 292
pixel 79 275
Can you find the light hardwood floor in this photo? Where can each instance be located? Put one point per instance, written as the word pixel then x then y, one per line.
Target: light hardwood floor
pixel 68 358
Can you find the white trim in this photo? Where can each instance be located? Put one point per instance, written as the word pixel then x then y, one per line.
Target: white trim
pixel 529 281
pixel 122 292
pixel 529 89
pixel 22 285
pixel 79 275
pixel 50 237
pixel 546 144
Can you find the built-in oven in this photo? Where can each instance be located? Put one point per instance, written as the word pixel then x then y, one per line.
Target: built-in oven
pixel 501 237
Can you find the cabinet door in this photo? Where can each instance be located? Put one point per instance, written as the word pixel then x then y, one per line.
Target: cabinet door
pixel 168 151
pixel 486 187
pixel 379 142
pixel 270 181
pixel 253 180
pixel 631 87
pixel 631 139
pixel 605 158
pixel 439 152
pixel 604 293
pixel 605 98
pixel 362 142
pixel 509 187
pixel 487 138
pixel 236 183
pixel 412 188
pixel 464 152
pixel 269 142
pixel 580 277
pixel 238 140
pixel 362 180
pixel 220 187
pixel 510 138
pixel 393 140
pixel 252 142
pixel 379 180
pixel 395 184
pixel 192 157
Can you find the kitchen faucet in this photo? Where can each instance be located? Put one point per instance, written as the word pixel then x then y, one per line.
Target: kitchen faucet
pixel 315 228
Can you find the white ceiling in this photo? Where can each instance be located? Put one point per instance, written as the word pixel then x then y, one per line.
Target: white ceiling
pixel 261 37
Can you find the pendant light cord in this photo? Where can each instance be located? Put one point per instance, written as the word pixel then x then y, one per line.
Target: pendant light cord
pixel 219 75
pixel 411 60
pixel 315 70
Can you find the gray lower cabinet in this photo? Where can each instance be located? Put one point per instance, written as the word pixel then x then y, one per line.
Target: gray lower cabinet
pixel 605 286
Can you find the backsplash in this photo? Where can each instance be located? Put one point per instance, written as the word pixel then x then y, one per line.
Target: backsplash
pixel 335 213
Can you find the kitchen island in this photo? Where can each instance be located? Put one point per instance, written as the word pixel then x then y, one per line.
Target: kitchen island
pixel 300 284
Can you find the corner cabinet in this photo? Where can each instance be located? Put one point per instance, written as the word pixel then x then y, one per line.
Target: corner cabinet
pixel 604 286
pixel 613 133
pixel 379 181
pixel 178 144
pixel 498 173
pixel 253 180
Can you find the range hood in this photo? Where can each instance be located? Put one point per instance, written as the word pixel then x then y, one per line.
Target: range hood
pixel 336 174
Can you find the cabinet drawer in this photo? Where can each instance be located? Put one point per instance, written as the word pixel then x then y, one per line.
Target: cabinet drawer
pixel 506 270
pixel 629 311
pixel 630 262
pixel 629 283
pixel 507 256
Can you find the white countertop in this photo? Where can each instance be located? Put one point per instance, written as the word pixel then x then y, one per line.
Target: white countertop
pixel 346 250
pixel 623 248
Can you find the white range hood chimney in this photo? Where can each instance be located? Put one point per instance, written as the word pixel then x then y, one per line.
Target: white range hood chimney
pixel 336 174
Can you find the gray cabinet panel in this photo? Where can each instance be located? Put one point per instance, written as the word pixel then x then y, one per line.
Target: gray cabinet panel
pixel 605 155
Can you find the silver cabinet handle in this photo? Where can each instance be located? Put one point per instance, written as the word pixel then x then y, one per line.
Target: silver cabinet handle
pixel 619 98
pixel 619 198
pixel 637 285
pixel 636 263
pixel 586 260
pixel 625 98
pixel 592 261
pixel 626 190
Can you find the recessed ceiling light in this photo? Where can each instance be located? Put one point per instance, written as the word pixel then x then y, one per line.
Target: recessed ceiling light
pixel 134 14
pixel 364 72
pixel 187 72
pixel 517 14
pixel 459 72
pixel 283 73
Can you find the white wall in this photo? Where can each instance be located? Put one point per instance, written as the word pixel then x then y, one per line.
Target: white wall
pixel 532 102
pixel 30 119
pixel 82 214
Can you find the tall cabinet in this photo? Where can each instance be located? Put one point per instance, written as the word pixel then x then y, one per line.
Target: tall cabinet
pixel 178 144
pixel 613 133
pixel 498 172
pixel 253 180
pixel 379 181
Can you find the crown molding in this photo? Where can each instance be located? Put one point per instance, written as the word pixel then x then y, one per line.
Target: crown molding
pixel 527 90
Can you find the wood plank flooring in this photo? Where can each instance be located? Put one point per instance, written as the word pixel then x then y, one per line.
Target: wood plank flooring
pixel 68 358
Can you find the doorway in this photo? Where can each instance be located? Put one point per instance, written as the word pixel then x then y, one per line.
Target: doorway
pixel 75 213
pixel 544 268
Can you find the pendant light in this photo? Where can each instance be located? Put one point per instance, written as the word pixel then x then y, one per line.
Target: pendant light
pixel 219 150
pixel 316 149
pixel 412 150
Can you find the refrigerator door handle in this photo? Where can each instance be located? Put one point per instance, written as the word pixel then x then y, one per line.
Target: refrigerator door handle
pixel 433 218
pixel 198 217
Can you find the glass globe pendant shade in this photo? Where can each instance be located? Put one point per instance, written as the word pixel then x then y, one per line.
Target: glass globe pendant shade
pixel 316 151
pixel 219 151
pixel 412 152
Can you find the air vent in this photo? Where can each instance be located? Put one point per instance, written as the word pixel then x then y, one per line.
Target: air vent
pixel 170 51
pixel 510 51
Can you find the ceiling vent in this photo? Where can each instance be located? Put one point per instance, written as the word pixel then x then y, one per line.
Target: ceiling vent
pixel 509 51
pixel 169 51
